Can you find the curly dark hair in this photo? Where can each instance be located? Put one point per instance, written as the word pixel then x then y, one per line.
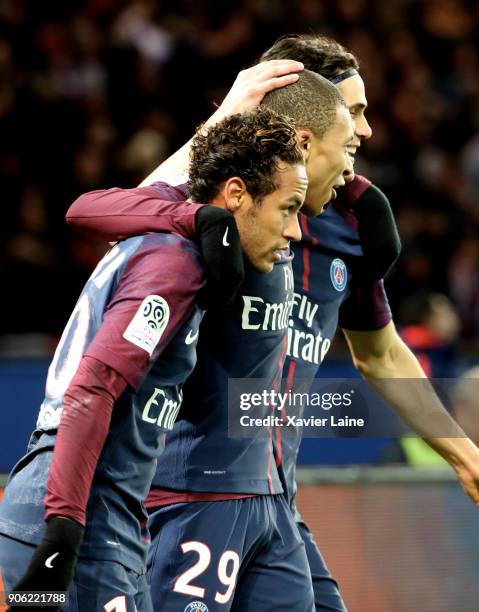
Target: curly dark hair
pixel 320 54
pixel 247 145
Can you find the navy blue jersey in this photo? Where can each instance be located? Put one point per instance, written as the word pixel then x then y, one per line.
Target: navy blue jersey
pixel 245 342
pixel 248 340
pixel 329 290
pixel 137 314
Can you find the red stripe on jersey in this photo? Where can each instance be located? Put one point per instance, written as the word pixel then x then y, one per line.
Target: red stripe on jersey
pixel 304 223
pixel 306 264
pixel 306 268
pixel 282 355
pixel 270 457
pixel 278 382
pixel 279 445
pixel 287 389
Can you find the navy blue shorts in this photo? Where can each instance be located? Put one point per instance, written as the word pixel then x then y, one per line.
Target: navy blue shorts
pixel 326 591
pixel 243 555
pixel 98 585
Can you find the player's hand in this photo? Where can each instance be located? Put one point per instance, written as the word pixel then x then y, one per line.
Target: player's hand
pixel 53 562
pixel 468 476
pixel 252 84
pixel 222 254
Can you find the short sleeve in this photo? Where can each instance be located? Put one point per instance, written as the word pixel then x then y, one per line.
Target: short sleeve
pixel 366 308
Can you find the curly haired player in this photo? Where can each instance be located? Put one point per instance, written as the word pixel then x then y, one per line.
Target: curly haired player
pixel 114 387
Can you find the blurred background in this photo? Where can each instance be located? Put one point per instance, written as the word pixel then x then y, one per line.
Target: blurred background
pixel 96 93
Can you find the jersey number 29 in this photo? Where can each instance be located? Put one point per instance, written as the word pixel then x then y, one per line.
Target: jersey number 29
pixel 229 560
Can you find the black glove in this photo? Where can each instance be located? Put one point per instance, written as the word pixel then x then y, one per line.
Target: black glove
pixel 377 232
pixel 53 563
pixel 222 254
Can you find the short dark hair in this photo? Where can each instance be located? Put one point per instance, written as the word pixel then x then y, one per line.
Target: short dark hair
pixel 312 102
pixel 249 145
pixel 320 54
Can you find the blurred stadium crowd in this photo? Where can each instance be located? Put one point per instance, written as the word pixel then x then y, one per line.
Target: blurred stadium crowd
pixel 95 93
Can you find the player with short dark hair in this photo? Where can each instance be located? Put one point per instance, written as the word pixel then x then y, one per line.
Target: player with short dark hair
pixel 299 102
pixel 114 387
pixel 359 305
pixel 320 54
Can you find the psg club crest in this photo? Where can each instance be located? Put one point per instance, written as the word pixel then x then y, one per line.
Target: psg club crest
pixel 339 274
pixel 196 606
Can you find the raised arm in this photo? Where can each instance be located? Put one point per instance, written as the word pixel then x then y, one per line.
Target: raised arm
pixel 159 204
pixel 246 93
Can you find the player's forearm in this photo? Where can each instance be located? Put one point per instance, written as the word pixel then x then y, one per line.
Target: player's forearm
pixel 390 359
pixel 88 405
pixel 398 377
pixel 417 404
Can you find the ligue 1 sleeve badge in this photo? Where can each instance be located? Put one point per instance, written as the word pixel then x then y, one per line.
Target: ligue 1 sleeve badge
pixel 339 274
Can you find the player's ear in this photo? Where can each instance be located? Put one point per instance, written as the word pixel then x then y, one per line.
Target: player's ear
pixel 234 192
pixel 305 138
